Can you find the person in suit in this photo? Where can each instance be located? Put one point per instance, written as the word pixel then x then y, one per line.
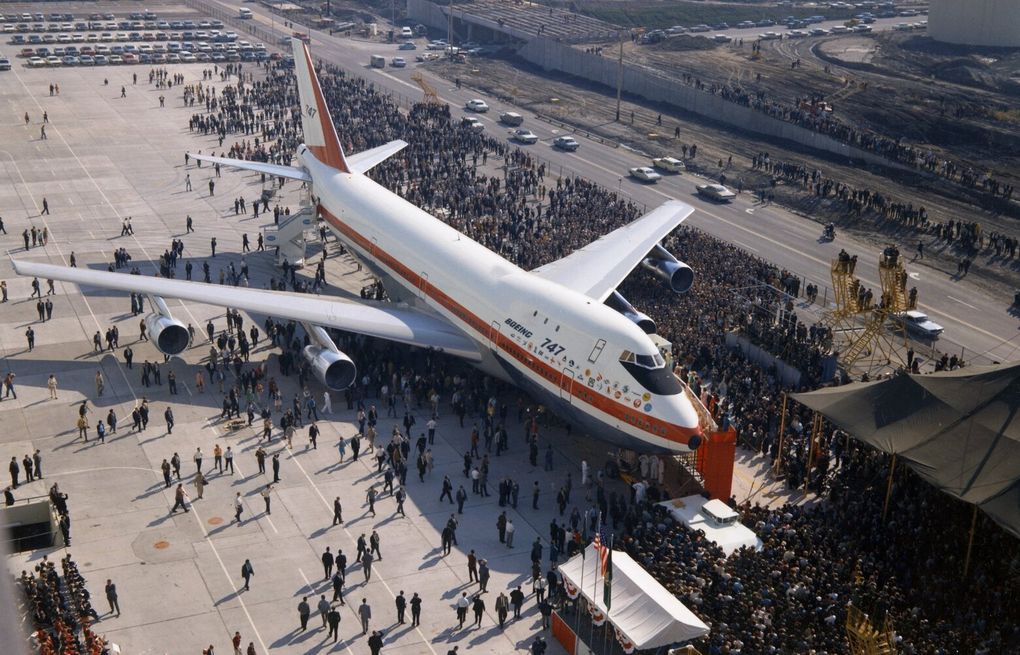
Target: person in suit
pixel 247 571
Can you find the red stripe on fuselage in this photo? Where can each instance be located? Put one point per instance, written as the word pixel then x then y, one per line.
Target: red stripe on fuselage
pixel 650 424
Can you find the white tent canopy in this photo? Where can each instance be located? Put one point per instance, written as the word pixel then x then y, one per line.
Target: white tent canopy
pixel 642 609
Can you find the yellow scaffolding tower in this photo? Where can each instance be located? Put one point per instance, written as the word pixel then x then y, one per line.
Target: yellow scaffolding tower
pixel 871 344
pixel 864 639
pixel 430 93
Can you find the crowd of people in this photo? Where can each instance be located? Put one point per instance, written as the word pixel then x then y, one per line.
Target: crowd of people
pixel 966 237
pixel 60 606
pixel 806 114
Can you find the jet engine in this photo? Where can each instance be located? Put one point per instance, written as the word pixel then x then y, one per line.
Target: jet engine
pixel 620 304
pixel 331 367
pixel 168 334
pixel 663 265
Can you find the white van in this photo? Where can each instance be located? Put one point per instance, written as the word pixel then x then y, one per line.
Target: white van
pixel 244 12
pixel 378 61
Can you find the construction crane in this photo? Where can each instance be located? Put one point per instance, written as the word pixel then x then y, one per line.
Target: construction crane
pixel 430 93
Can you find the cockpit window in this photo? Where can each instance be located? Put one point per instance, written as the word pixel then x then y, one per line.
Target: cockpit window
pixel 646 361
pixel 651 373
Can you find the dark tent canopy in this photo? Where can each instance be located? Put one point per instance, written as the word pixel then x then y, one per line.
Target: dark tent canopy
pixel 959 430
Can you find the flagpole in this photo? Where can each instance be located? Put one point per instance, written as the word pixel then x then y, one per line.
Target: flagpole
pixel 595 584
pixel 580 594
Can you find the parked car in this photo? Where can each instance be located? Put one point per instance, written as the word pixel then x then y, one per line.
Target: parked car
pixel 669 164
pixel 919 323
pixel 524 136
pixel 476 104
pixel 407 46
pixel 645 174
pixel 716 192
pixel 567 143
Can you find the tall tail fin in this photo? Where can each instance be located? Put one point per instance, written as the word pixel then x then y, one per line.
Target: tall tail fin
pixel 319 131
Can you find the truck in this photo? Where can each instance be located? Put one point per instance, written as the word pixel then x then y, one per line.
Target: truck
pixel 244 12
pixel 378 61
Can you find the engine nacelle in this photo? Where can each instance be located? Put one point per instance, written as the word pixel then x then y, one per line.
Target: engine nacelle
pixel 168 334
pixel 620 304
pixel 678 275
pixel 331 367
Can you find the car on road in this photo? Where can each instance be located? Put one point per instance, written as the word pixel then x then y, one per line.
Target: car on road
pixel 472 123
pixel 716 192
pixel 669 164
pixel 398 62
pixel 567 143
pixel 426 56
pixel 407 46
pixel 5 63
pixel 701 28
pixel 511 118
pixel 796 34
pixel 524 136
pixel 770 36
pixel 919 323
pixel 645 174
pixel 819 31
pixel 476 104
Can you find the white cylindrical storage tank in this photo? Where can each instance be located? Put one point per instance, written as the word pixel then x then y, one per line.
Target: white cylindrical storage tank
pixel 994 23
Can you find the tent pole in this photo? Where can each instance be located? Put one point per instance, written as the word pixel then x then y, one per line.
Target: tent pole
pixel 970 542
pixel 888 487
pixel 816 427
pixel 782 433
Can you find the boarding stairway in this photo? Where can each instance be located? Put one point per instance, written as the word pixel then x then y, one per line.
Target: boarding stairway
pixel 288 236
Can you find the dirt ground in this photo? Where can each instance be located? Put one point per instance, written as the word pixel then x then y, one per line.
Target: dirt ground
pixel 593 109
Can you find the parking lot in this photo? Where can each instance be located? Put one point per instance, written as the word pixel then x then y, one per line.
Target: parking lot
pixel 59 39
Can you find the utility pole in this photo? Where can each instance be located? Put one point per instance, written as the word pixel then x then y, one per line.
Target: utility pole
pixel 619 79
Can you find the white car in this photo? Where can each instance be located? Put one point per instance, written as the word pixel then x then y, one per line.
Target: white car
pixel 567 143
pixel 716 192
pixel 669 164
pixel 398 62
pixel 476 104
pixel 919 322
pixel 522 135
pixel 472 123
pixel 645 174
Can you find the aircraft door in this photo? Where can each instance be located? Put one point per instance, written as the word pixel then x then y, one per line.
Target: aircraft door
pixel 494 336
pixel 423 285
pixel 567 385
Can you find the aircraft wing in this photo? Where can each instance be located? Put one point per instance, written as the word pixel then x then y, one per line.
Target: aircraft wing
pixel 277 170
pixel 598 268
pixel 365 160
pixel 398 323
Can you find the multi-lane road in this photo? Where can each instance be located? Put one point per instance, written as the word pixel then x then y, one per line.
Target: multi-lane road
pixel 976 324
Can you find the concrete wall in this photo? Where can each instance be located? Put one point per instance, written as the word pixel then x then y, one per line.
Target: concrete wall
pixel 975 22
pixel 787 374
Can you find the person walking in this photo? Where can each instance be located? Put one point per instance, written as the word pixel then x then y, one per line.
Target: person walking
pixel 276 468
pixel 502 608
pixel 238 508
pixel 483 576
pixel 517 601
pixel 179 496
pixel 333 618
pixel 370 499
pixel 304 611
pixel 338 518
pixel 267 498
pixel 415 610
pixel 375 643
pixel 228 458
pixel 462 608
pixel 236 642
pixel 365 614
pixel 199 485
pixel 510 529
pixel 168 416
pixel 247 571
pixel 478 607
pixel 111 597
pixel 51 383
pixel 327 564
pixel 323 607
pixel 366 565
pixel 472 564
pixel 198 459
pixel 401 604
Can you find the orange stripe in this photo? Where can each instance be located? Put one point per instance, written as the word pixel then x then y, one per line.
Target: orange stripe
pixel 650 424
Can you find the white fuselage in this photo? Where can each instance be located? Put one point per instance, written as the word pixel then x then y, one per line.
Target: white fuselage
pixel 559 344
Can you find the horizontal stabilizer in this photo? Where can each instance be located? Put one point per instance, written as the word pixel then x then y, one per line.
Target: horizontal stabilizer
pixel 276 170
pixel 364 161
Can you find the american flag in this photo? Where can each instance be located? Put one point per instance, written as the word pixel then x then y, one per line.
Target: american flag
pixel 601 543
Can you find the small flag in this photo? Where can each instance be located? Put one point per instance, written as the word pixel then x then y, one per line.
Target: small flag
pixel 607 581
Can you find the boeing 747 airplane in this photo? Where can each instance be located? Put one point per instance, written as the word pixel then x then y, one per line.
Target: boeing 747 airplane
pixel 562 331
